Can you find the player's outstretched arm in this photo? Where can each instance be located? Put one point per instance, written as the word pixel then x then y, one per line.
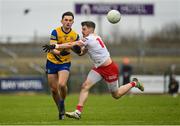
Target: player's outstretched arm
pixel 48 48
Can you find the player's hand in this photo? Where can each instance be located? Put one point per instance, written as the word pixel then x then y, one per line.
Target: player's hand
pixel 64 53
pixel 48 48
pixel 76 49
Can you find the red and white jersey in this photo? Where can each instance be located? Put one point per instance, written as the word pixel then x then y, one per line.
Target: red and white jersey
pixel 96 49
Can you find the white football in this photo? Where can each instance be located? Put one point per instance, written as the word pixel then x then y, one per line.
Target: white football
pixel 114 16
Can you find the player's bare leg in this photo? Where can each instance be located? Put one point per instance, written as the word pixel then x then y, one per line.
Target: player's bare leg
pixel 122 90
pixel 62 87
pixel 62 82
pixel 116 94
pixel 52 81
pixel 82 99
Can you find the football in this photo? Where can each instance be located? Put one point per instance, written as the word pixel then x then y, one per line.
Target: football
pixel 113 16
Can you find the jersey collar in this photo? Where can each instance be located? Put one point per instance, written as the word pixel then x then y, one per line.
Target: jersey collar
pixel 66 32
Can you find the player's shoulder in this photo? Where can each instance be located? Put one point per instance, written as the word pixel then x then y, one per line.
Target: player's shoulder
pixel 55 30
pixel 92 37
pixel 58 29
pixel 54 34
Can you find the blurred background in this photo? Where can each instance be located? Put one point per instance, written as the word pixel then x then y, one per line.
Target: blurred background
pixel 148 35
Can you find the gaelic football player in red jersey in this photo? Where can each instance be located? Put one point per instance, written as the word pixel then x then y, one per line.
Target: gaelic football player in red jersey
pixel 104 68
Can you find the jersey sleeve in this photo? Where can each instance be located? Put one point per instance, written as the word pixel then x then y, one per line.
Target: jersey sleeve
pixel 54 37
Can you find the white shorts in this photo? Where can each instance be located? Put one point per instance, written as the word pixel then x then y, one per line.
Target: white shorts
pixel 94 77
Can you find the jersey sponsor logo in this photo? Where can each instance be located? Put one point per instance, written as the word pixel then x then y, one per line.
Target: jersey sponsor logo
pixel 65 37
pixel 71 39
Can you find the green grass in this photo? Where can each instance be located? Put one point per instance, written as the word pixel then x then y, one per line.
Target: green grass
pixel 99 110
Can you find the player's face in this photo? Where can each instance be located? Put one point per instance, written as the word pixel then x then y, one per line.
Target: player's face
pixel 86 31
pixel 67 22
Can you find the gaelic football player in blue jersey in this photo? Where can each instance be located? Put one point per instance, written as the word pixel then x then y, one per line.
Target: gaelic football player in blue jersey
pixel 59 61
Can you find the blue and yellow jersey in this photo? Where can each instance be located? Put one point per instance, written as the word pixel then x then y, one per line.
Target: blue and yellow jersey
pixel 59 36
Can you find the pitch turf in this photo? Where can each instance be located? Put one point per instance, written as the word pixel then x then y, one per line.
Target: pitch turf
pixel 99 110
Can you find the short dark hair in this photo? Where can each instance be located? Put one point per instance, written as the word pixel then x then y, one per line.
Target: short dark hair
pixel 89 24
pixel 68 13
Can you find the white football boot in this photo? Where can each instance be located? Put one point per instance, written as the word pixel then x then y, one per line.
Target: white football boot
pixel 76 114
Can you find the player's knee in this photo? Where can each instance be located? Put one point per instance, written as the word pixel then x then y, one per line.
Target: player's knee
pixel 115 95
pixel 85 86
pixel 54 90
pixel 61 85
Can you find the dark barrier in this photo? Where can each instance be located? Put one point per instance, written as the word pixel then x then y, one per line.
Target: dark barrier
pixel 15 84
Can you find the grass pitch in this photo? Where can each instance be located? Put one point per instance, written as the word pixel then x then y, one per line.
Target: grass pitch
pixel 99 110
